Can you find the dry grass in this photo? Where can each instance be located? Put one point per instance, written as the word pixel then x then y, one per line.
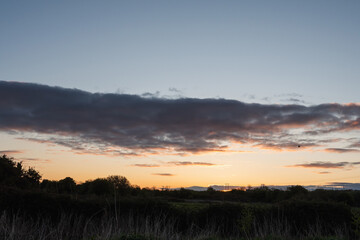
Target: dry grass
pixel 131 227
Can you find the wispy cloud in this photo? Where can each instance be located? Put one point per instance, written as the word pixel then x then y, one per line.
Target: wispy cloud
pixel 175 90
pixel 164 174
pixel 145 165
pixel 355 145
pixel 293 100
pixel 10 152
pixel 175 164
pixel 326 165
pixel 133 125
pixel 35 160
pixel 191 164
pixel 341 150
pixel 286 145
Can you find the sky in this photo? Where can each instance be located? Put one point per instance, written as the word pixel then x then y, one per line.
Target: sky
pixel 182 93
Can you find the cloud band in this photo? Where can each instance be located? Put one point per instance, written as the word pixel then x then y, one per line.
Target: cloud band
pixel 131 124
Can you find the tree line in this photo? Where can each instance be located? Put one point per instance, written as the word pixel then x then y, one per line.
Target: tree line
pixel 14 174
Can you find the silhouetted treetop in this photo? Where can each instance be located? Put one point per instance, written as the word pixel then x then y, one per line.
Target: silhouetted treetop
pixel 13 174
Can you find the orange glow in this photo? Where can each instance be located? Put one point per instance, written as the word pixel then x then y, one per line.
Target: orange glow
pixel 352 104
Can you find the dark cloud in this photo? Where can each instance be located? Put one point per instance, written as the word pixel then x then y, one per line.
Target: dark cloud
pixel 324 172
pixel 164 174
pixel 123 124
pixel 326 165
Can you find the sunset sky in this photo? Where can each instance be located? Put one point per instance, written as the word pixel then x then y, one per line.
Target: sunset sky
pixel 183 93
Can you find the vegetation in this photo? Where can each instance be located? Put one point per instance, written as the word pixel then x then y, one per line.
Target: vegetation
pixel 111 208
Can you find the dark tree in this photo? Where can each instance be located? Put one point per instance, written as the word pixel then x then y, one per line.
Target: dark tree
pixel 13 174
pixel 296 191
pixel 50 186
pixel 120 184
pixel 32 177
pixel 66 185
pixel 10 171
pixel 100 186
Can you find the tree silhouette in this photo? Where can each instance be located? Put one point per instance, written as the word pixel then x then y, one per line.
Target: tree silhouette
pixel 120 184
pixel 67 185
pixel 13 174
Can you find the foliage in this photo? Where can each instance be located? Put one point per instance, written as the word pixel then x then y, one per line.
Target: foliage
pixel 356 221
pixel 246 220
pixel 120 184
pixel 13 174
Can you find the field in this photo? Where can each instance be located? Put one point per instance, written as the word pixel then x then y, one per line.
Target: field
pixel 39 215
pixel 114 209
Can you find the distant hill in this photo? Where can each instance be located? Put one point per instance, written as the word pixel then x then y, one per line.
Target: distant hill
pixel 330 186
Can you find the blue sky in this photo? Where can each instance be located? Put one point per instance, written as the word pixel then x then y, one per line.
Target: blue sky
pixel 152 54
pixel 233 49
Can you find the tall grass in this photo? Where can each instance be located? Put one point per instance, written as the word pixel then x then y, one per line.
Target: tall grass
pixel 69 227
pixel 135 227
